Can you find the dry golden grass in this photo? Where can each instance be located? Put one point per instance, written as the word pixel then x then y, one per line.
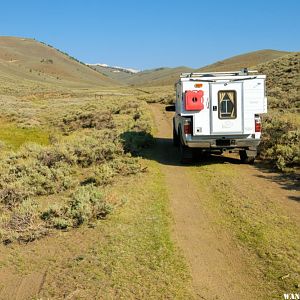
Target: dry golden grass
pixel 74 183
pixel 247 60
pixel 27 59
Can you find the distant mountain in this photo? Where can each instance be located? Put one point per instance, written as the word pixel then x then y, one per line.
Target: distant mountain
pixel 119 74
pixel 246 60
pixel 168 76
pixel 114 69
pixel 159 76
pixel 28 59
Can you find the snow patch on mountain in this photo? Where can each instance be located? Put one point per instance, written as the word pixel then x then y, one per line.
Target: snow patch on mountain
pixel 116 68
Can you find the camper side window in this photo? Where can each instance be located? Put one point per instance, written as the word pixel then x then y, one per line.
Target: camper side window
pixel 227 104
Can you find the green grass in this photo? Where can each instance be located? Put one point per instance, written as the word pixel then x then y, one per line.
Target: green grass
pixel 257 221
pixel 14 136
pixel 130 255
pixel 143 259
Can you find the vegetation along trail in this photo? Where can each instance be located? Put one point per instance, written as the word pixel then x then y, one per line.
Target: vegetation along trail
pixel 235 224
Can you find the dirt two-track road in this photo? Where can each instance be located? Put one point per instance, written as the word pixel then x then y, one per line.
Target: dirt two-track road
pixel 221 268
pixel 235 228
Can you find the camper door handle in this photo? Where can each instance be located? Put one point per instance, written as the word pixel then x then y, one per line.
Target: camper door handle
pixel 207 102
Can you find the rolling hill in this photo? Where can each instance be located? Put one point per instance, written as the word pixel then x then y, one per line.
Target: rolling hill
pixel 159 76
pixel 243 61
pixel 27 59
pixel 152 77
pixel 168 76
pixel 24 59
pixel 283 81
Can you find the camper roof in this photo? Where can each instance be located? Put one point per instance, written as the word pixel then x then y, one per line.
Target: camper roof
pixel 242 72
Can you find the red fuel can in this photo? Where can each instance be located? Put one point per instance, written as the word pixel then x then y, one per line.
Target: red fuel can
pixel 194 100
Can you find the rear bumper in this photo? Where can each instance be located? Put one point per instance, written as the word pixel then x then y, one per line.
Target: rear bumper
pixel 214 143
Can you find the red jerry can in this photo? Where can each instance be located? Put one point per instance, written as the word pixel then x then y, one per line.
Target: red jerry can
pixel 194 100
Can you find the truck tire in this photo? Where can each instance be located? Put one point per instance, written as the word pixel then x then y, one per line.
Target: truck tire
pixel 186 153
pixel 175 137
pixel 245 158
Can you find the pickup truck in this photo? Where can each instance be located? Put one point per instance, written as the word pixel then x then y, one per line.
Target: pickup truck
pixel 219 111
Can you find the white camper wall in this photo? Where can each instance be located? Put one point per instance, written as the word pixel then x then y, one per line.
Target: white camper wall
pixel 255 101
pixel 201 119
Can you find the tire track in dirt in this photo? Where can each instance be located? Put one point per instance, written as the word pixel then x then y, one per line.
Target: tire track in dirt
pixel 217 265
pixel 20 288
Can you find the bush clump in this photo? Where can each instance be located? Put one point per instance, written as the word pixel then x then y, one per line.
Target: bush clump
pixel 86 204
pixel 87 119
pixel 97 147
pixel 135 141
pixel 89 150
pixel 28 174
pixel 280 142
pixel 21 223
pixel 105 174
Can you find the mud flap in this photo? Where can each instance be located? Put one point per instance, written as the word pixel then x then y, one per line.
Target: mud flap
pixel 251 152
pixel 248 156
pixel 186 153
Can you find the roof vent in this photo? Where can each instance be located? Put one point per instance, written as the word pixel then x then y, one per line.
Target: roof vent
pixel 243 71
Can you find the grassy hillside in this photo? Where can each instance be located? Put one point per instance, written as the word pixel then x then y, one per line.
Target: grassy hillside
pixel 153 77
pixel 281 134
pixel 24 60
pixel 245 60
pixel 283 81
pixel 156 77
pixel 168 76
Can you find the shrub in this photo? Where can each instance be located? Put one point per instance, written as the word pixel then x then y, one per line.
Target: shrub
pixel 86 204
pixel 94 144
pixel 126 165
pixel 29 177
pixel 85 118
pixel 22 217
pixel 50 156
pixel 95 148
pixel 105 173
pixel 134 142
pixel 30 173
pixel 280 142
pixel 13 193
pixel 21 224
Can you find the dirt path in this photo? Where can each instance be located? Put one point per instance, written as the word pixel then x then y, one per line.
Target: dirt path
pixel 220 268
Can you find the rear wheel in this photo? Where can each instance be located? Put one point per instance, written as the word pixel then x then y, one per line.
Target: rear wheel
pixel 176 140
pixel 198 154
pixel 186 153
pixel 245 158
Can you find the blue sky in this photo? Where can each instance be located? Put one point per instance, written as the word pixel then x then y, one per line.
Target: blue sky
pixel 153 33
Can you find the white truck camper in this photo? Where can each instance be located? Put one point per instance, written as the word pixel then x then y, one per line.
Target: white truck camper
pixel 219 111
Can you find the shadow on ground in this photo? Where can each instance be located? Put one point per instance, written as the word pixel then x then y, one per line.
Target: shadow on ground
pixel 163 151
pixel 286 181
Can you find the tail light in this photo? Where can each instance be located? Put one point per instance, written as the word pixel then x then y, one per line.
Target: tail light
pixel 257 124
pixel 187 127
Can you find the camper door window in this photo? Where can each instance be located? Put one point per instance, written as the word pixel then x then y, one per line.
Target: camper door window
pixel 227 104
